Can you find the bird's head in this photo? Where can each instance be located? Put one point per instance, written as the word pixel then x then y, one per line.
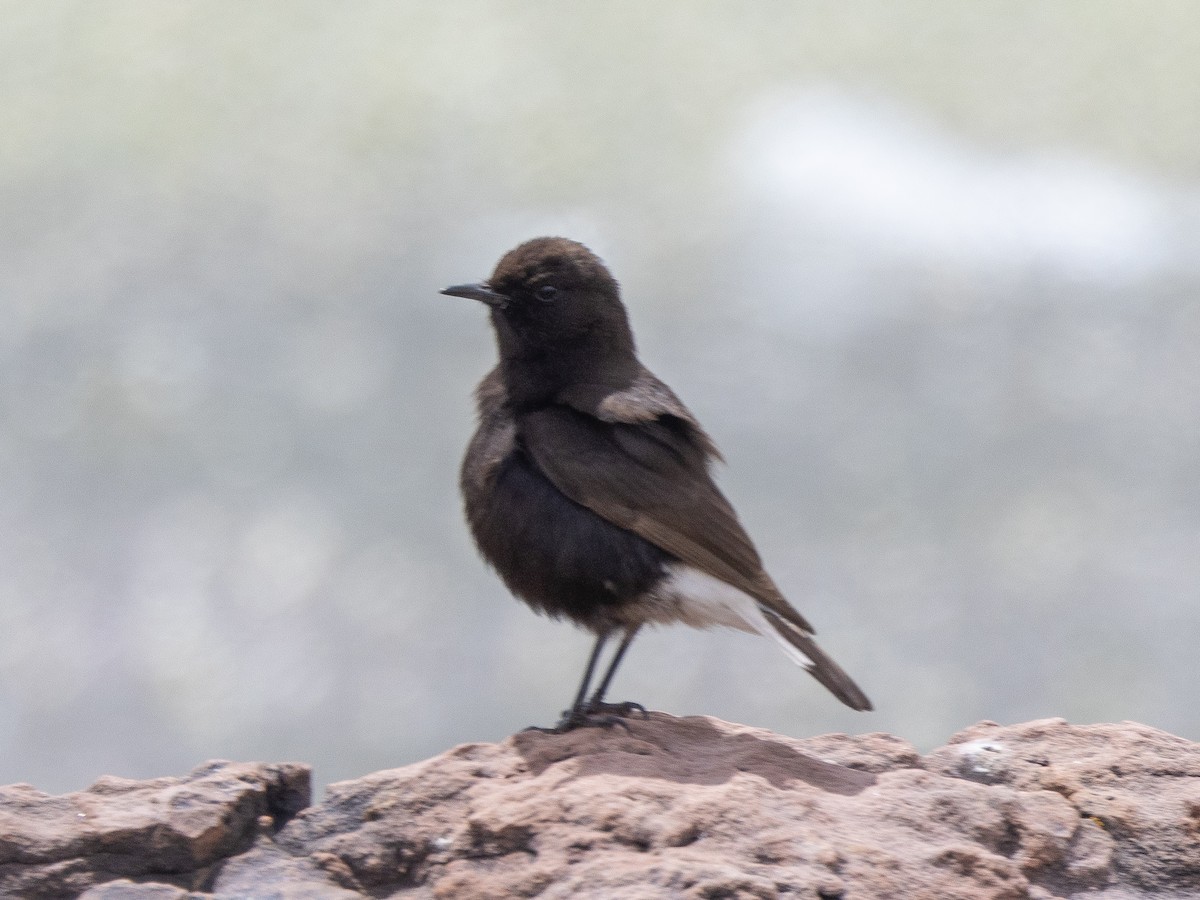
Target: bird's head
pixel 551 292
pixel 558 315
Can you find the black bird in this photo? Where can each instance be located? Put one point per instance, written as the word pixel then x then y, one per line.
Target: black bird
pixel 587 483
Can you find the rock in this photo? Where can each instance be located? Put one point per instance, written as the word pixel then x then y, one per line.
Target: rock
pixel 663 807
pixel 1136 790
pixel 168 829
pixel 124 889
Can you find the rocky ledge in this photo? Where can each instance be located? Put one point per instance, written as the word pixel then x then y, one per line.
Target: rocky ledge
pixel 664 807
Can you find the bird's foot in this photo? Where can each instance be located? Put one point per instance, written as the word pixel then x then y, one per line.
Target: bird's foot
pixel 621 710
pixel 587 718
pixel 594 714
pixel 577 718
pixel 598 714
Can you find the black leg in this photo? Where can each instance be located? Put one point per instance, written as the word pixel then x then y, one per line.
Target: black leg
pixel 598 698
pixel 595 712
pixel 577 706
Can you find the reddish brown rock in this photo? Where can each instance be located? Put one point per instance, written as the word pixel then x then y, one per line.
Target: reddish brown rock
pixel 1136 790
pixel 667 808
pixel 171 830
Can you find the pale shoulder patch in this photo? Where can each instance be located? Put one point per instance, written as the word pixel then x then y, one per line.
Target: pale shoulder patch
pixel 647 399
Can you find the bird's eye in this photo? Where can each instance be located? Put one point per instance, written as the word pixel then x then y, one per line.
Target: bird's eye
pixel 547 292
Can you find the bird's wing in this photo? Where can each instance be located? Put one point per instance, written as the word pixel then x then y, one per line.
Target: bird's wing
pixel 640 461
pixel 644 399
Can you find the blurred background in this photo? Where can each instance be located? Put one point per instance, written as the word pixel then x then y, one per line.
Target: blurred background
pixel 928 273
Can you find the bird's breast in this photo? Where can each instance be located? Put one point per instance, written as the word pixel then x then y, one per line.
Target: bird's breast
pixel 555 554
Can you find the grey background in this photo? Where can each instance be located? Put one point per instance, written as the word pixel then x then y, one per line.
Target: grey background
pixel 926 271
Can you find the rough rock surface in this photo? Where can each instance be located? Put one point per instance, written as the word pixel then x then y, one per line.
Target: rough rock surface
pixel 663 808
pixel 173 829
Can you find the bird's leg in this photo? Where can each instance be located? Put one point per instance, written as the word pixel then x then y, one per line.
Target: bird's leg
pixel 597 704
pixel 577 715
pixel 594 712
pixel 601 640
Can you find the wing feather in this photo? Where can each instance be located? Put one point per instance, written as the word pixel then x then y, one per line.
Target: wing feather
pixel 644 467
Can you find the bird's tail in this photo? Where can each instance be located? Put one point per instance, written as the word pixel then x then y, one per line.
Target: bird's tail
pixel 800 646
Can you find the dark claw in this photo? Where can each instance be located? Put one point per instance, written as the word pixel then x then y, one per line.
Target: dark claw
pixel 617 709
pixel 569 722
pixel 595 714
pixel 586 718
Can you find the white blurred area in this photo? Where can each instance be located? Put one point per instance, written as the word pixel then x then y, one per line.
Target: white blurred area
pixel 928 273
pixel 869 171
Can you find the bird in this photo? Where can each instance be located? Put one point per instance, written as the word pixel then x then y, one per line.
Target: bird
pixel 587 484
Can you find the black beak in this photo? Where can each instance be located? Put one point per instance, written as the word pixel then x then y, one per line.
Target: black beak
pixel 480 292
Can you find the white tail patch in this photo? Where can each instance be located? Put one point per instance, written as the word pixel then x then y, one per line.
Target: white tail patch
pixel 702 601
